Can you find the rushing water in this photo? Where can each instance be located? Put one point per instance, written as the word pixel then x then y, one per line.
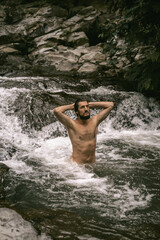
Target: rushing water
pixel 115 198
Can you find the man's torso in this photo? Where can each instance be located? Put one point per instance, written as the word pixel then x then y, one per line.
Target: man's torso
pixel 83 138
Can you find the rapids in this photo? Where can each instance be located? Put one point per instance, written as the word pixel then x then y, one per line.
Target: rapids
pixel 115 198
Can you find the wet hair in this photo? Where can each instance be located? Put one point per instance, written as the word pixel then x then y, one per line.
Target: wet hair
pixel 76 103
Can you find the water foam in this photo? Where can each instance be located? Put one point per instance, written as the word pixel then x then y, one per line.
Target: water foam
pixel 51 158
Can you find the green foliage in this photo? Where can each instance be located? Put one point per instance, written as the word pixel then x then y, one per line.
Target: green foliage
pixel 145 76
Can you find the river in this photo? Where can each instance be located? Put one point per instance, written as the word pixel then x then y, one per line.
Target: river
pixel 116 198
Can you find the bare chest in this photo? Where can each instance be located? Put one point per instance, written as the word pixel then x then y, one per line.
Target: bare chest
pixel 85 133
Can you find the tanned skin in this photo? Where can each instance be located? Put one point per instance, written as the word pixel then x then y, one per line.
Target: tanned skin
pixel 83 132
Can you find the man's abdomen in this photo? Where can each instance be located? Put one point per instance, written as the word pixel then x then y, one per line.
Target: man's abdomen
pixel 84 153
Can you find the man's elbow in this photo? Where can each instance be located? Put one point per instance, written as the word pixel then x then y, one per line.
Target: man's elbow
pixel 112 104
pixel 55 111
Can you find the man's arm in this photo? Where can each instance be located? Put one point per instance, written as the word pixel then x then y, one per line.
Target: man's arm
pixel 104 113
pixel 63 118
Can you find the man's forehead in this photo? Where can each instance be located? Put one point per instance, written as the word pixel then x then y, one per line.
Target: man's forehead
pixel 82 103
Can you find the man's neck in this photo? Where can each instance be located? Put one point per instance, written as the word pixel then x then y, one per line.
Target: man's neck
pixel 82 122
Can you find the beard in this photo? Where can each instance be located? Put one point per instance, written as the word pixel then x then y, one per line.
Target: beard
pixel 84 117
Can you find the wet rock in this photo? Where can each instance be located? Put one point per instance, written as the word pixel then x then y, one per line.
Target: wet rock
pixel 35 113
pixel 53 24
pixel 3 170
pixel 8 49
pixel 93 57
pixel 48 38
pixel 72 21
pixel 57 223
pixel 13 226
pixel 88 68
pixel 66 66
pixel 41 38
pixel 78 39
pixel 56 36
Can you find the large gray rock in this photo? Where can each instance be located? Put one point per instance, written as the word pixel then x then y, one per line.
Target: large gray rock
pixel 61 60
pixel 93 57
pixel 53 24
pixel 78 39
pixel 13 226
pixel 56 36
pixel 88 68
pixel 73 20
pixel 66 66
pixel 8 49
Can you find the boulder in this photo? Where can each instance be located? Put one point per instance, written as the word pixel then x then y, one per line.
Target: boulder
pixel 120 64
pixel 13 226
pixel 11 34
pixel 44 11
pixel 66 66
pixel 72 21
pixel 8 49
pixel 88 68
pixel 56 36
pixel 80 50
pixel 62 61
pixel 87 10
pixel 93 57
pixel 53 24
pixel 70 56
pixel 121 43
pixel 78 39
pixel 36 31
pixel 50 58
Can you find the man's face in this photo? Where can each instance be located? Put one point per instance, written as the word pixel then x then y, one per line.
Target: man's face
pixel 83 110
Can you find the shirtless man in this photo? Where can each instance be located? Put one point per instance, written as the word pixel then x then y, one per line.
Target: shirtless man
pixel 83 130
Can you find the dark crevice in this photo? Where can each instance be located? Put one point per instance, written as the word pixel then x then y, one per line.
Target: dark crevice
pixel 93 33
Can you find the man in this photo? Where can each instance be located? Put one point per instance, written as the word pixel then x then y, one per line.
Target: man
pixel 83 130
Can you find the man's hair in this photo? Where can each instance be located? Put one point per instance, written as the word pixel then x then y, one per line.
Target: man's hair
pixel 76 103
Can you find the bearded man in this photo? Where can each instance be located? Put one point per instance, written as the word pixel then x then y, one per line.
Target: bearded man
pixel 83 130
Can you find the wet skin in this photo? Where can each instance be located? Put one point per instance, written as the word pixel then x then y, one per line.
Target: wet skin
pixel 82 131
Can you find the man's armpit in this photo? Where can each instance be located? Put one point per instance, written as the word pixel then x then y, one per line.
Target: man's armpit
pixel 101 116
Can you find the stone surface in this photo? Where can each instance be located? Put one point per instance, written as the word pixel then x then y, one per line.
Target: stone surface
pixel 93 57
pixel 13 226
pixel 88 68
pixel 78 39
pixel 3 170
pixel 35 36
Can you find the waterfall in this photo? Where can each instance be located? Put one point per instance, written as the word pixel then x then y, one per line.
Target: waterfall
pixel 114 194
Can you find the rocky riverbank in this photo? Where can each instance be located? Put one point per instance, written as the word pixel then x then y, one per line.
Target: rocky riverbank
pixel 40 38
pixel 44 38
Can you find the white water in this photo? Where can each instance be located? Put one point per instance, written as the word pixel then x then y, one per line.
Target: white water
pixel 109 187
